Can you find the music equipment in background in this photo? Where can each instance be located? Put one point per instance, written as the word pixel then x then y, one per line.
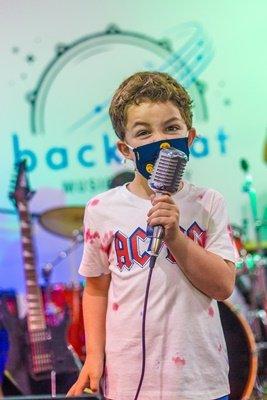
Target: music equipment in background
pixel 7 301
pixel 67 222
pixel 71 296
pixel 241 349
pixel 37 351
pixel 63 221
pixel 251 279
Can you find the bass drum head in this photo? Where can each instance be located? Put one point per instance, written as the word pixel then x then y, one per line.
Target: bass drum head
pixel 241 352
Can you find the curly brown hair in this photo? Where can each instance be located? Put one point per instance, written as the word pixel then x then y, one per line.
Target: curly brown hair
pixel 151 86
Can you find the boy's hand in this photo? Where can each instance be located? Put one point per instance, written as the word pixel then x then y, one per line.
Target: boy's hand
pixel 164 212
pixel 89 377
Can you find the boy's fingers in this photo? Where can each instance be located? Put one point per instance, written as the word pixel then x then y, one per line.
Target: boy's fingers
pixel 71 391
pixel 94 384
pixel 78 388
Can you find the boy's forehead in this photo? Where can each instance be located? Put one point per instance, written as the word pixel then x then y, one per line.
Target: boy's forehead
pixel 149 110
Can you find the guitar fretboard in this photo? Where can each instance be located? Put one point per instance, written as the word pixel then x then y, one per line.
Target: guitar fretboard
pixel 35 316
pixel 41 356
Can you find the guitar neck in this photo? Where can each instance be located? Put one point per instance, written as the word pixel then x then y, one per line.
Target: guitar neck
pixel 35 315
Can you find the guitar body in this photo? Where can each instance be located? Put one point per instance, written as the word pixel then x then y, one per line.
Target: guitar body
pixel 18 378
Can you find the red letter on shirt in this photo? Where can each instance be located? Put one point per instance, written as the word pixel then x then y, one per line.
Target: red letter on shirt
pixel 141 259
pixel 122 251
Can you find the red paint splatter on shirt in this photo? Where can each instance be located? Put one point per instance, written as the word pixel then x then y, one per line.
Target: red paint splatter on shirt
pixel 115 306
pixel 200 196
pixel 91 236
pixel 106 242
pixel 179 360
pixel 93 202
pixel 105 249
pixel 211 311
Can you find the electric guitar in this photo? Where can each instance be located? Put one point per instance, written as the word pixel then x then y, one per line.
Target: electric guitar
pixel 37 350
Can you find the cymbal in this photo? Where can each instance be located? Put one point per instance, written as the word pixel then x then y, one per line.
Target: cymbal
pixel 63 221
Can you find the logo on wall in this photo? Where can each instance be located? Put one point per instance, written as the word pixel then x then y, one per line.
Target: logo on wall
pixel 69 106
pixel 79 77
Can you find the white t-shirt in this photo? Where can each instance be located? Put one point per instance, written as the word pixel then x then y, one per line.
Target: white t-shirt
pixel 186 352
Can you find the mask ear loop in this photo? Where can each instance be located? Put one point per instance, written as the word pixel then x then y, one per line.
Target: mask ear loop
pixel 125 160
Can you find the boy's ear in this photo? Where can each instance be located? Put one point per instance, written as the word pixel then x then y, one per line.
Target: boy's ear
pixel 191 136
pixel 123 149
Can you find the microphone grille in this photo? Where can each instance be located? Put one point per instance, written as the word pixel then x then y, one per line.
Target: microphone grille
pixel 168 170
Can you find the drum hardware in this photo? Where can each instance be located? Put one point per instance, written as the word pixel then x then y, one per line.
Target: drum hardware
pixel 77 240
pixel 58 297
pixel 261 346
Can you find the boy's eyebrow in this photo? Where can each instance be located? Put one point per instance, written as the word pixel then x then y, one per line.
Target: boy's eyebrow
pixel 147 124
pixel 172 120
pixel 140 123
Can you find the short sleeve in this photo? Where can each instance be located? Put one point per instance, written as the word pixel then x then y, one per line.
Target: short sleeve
pixel 96 247
pixel 219 238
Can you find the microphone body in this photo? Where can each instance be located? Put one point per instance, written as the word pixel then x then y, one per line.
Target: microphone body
pixel 165 179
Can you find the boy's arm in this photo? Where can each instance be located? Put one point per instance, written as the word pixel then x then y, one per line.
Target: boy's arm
pixel 95 297
pixel 208 272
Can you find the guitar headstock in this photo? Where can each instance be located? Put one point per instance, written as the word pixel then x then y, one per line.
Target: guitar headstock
pixel 20 192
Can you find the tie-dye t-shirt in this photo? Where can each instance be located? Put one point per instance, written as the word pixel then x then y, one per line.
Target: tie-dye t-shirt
pixel 186 352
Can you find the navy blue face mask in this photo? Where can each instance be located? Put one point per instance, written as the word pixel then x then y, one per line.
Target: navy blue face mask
pixel 147 154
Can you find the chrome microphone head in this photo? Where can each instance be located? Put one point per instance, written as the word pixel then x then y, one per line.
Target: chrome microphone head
pixel 168 171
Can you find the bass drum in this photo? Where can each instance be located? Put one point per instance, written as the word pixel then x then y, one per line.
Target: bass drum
pixel 242 353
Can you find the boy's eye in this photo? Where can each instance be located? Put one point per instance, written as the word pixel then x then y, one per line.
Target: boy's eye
pixel 173 128
pixel 142 133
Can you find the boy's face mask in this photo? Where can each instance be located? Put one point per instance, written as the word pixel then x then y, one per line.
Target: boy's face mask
pixel 146 155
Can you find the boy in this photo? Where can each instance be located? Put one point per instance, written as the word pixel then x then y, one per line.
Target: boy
pixel 186 353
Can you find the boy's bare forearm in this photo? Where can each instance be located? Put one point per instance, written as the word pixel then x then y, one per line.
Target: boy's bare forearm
pixel 95 298
pixel 208 272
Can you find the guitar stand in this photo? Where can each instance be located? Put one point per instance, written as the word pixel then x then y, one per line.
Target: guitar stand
pixel 53 384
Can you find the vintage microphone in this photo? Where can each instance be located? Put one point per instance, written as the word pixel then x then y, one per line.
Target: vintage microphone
pixel 165 178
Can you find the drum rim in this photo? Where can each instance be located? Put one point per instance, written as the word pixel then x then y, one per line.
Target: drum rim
pixel 253 357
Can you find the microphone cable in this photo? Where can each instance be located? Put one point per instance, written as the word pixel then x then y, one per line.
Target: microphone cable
pixel 152 262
